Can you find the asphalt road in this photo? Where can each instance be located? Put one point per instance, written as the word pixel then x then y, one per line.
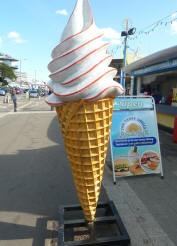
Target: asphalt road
pixel 148 204
pixel 35 176
pixel 24 104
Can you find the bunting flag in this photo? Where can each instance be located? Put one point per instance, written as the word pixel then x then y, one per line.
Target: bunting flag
pixel 170 19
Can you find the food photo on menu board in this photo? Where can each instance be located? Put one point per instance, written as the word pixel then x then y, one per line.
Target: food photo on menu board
pixel 135 145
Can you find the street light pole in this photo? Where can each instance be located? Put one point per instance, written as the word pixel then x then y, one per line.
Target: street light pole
pixel 20 72
pixel 35 76
pixel 126 34
pixel 21 69
pixel 125 51
pixel 125 57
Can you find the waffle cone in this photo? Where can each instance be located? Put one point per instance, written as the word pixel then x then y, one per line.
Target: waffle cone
pixel 85 127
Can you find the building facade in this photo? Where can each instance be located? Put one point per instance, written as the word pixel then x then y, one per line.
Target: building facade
pixel 156 75
pixel 10 61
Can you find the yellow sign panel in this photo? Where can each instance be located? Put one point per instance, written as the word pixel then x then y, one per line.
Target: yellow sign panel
pixel 174 100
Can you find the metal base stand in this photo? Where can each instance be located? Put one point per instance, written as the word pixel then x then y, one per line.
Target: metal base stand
pixel 107 229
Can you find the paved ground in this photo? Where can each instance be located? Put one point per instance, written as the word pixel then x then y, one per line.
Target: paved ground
pixel 148 204
pixel 23 104
pixel 35 177
pixel 34 170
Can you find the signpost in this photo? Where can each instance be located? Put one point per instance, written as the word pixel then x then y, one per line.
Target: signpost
pixel 135 147
pixel 174 99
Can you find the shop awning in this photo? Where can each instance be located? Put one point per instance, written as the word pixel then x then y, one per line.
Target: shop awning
pixel 158 62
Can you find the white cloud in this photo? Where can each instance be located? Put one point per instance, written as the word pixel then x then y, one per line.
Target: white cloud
pixel 0 40
pixel 16 37
pixel 115 41
pixel 13 35
pixel 110 33
pixel 62 12
pixel 174 27
pixel 20 41
pixel 174 15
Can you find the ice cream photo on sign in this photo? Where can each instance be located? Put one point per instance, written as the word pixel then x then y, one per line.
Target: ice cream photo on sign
pixel 83 92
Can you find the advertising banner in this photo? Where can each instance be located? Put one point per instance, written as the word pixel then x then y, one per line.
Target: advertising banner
pixel 134 137
pixel 174 99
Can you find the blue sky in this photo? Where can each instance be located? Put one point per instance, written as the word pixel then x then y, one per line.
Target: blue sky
pixel 29 30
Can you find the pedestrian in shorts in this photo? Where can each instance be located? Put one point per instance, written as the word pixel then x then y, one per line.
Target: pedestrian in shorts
pixel 14 99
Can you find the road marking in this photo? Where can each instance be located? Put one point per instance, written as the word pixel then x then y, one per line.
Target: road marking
pixel 32 112
pixel 10 112
pixel 175 173
pixel 25 105
pixel 141 225
pixel 27 112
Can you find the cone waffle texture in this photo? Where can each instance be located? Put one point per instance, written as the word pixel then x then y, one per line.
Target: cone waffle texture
pixel 86 128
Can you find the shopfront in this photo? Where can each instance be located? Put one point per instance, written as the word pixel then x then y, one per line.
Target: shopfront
pixel 156 75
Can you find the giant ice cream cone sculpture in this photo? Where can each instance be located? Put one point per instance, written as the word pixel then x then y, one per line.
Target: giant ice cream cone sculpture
pixel 83 91
pixel 85 128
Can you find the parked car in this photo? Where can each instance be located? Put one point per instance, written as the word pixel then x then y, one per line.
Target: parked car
pixel 2 92
pixel 18 90
pixel 33 94
pixel 42 93
pixel 5 88
pixel 25 90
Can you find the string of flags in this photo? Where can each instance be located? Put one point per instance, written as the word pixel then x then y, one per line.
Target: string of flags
pixel 114 50
pixel 170 19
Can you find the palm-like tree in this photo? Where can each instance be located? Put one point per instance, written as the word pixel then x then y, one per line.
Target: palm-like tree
pixel 6 72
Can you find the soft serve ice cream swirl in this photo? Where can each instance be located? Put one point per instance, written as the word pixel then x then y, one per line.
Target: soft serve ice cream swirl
pixel 80 66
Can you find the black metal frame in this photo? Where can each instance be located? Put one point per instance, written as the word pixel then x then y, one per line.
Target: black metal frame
pixel 122 239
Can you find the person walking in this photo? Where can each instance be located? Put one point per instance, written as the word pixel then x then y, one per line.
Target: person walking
pixel 14 99
pixel 49 93
pixel 27 95
pixel 39 93
pixel 7 95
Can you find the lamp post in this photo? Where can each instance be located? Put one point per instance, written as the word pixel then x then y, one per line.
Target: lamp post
pixel 125 34
pixel 21 69
pixel 35 76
